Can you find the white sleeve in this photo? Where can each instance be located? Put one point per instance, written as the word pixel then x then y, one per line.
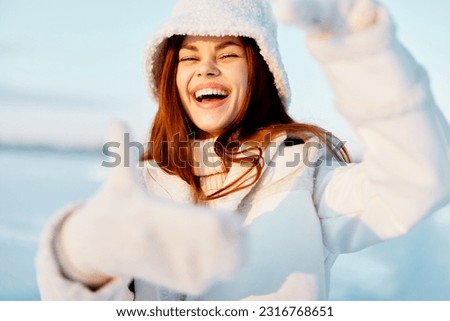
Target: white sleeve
pixel 53 285
pixel 405 173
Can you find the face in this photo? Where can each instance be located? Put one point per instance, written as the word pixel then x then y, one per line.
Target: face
pixel 212 80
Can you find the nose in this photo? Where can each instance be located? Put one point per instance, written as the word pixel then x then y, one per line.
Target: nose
pixel 208 68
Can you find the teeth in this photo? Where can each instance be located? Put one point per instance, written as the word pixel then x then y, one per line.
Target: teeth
pixel 210 91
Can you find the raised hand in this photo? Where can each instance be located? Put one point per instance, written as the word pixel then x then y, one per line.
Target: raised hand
pixel 335 17
pixel 122 231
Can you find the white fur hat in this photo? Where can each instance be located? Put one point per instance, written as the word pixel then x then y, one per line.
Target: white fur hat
pixel 248 18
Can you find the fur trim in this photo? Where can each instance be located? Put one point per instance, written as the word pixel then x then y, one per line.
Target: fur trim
pixel 248 18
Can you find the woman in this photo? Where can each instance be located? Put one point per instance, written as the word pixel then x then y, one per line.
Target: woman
pixel 240 201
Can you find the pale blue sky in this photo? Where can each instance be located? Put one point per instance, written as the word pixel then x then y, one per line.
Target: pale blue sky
pixel 68 67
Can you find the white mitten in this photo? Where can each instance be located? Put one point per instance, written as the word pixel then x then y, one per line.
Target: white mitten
pixel 122 231
pixel 335 17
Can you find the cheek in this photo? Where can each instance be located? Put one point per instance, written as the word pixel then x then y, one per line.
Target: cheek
pixel 178 80
pixel 181 85
pixel 244 84
pixel 242 77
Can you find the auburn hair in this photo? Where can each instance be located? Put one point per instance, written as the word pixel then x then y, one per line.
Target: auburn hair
pixel 263 115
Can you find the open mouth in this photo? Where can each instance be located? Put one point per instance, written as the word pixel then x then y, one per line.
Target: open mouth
pixel 210 94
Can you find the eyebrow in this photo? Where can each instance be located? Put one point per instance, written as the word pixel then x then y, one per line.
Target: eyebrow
pixel 220 46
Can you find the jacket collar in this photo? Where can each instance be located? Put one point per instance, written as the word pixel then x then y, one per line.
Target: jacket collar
pixel 232 201
pixel 178 190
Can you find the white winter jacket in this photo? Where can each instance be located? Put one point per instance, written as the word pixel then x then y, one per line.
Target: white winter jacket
pixel 300 217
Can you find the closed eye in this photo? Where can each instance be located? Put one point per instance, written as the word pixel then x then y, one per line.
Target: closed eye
pixel 228 55
pixel 188 58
